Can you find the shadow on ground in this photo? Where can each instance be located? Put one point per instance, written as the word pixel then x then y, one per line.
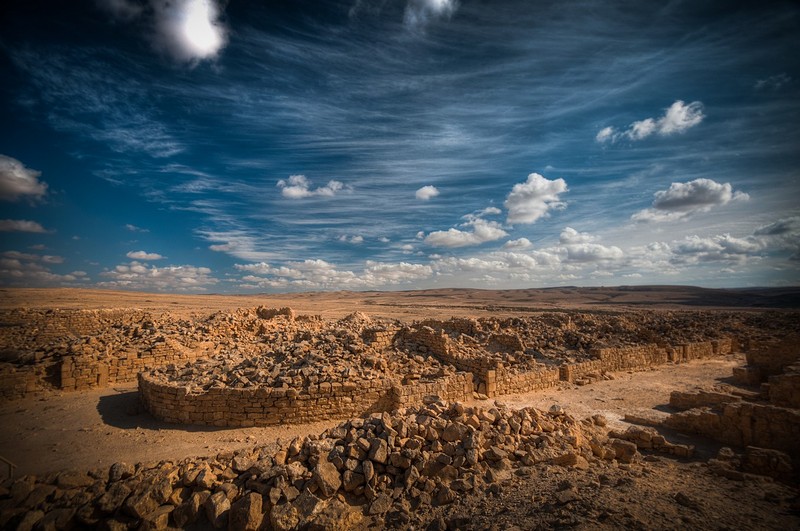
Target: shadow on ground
pixel 124 410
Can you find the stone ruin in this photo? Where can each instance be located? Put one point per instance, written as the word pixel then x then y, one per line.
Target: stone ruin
pixel 761 409
pixel 354 366
pixel 413 444
pixel 387 465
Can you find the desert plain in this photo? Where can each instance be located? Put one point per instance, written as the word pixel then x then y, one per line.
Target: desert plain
pixel 590 408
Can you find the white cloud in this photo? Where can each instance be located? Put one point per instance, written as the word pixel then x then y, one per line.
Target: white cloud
pixel 143 255
pixel 571 236
pixel 355 240
pixel 579 247
pixel 593 252
pixel 25 269
pixel 518 244
pixel 299 187
pixel 123 10
pixel 482 231
pixel 319 274
pixel 606 133
pixel 138 276
pixel 426 192
pixel 17 181
pixel 678 118
pixel 725 247
pixel 533 199
pixel 419 13
pixel 20 225
pixel 684 199
pixel 490 211
pixel 134 228
pixel 189 30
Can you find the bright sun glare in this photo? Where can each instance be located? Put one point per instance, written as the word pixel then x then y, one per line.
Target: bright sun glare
pixel 199 32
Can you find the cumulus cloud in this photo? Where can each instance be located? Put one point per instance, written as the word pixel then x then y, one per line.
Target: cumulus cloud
pixel 420 13
pixel 678 118
pixel 138 276
pixel 20 225
pixel 299 187
pixel 781 227
pixel 143 255
pixel 17 181
pixel 320 274
pixel 684 199
pixel 579 247
pixel 27 269
pixel 518 244
pixel 570 236
pixel 482 231
pixel 593 252
pixel 723 247
pixel 533 199
pixel 426 192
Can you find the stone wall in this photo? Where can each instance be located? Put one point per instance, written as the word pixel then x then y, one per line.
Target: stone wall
pixel 470 327
pixel 79 373
pixel 744 424
pixel 638 357
pixel 456 387
pixel 17 382
pixel 506 382
pixel 379 338
pixel 784 389
pixel 506 342
pixel 569 372
pixel 266 406
pixel 770 357
pixel 263 406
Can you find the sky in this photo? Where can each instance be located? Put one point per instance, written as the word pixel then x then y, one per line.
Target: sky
pixel 245 146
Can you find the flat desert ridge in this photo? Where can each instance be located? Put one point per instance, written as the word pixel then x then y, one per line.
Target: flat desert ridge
pixel 422 304
pixel 596 451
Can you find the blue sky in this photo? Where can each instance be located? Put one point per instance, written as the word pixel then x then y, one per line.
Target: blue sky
pixel 202 146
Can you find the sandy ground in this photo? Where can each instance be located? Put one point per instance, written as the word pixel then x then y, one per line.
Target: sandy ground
pixel 97 428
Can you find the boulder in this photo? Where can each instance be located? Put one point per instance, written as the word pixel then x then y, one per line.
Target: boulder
pixel 245 514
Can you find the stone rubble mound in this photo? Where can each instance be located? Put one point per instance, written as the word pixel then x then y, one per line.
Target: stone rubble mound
pixel 399 464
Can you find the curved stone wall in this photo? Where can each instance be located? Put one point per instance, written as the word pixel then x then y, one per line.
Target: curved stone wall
pixel 266 406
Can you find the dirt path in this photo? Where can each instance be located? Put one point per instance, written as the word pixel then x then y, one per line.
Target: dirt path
pixel 98 428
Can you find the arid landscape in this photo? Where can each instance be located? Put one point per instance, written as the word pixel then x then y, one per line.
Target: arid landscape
pixel 654 407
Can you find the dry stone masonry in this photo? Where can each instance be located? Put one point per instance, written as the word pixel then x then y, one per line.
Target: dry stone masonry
pixel 765 413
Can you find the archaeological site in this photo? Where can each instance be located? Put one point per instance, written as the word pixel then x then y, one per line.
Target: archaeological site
pixel 396 413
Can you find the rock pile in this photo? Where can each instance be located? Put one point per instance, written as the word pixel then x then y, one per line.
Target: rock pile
pixel 386 464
